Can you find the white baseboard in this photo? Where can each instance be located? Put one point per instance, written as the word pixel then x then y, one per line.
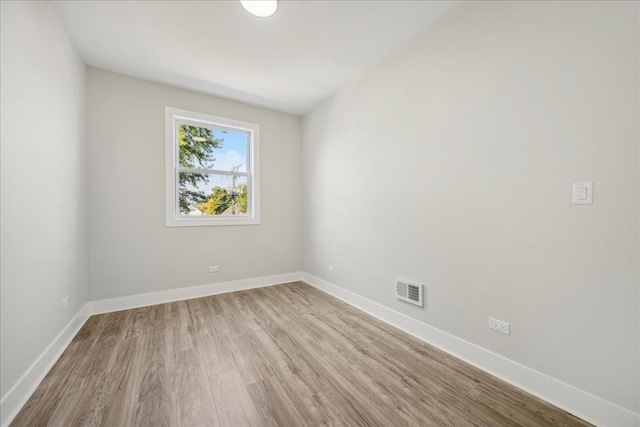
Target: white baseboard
pixel 17 396
pixel 578 402
pixel 143 300
pixel 567 397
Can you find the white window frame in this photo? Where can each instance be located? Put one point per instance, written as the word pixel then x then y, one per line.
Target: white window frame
pixel 172 169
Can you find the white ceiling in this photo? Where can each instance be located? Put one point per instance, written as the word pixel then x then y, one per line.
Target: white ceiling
pixel 289 62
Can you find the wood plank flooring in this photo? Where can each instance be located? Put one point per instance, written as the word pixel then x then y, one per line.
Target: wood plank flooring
pixel 286 355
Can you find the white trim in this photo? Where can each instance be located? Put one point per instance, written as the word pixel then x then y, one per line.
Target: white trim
pixel 578 402
pixel 20 393
pixel 213 172
pixel 152 298
pixel 567 397
pixel 17 396
pixel 172 216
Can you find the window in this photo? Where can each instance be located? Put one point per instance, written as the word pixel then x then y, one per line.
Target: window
pixel 212 170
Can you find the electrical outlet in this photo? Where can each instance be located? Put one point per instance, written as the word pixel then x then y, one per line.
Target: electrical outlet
pixel 214 268
pixel 331 269
pixel 65 302
pixel 500 326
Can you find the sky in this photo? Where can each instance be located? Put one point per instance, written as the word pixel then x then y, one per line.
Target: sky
pixel 232 152
pixel 217 181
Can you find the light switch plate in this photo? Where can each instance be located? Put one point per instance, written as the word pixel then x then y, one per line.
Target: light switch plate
pixel 583 193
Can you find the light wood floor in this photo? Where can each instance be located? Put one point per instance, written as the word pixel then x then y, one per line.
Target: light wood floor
pixel 285 355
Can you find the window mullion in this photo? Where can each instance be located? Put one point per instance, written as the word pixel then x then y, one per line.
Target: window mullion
pixel 211 172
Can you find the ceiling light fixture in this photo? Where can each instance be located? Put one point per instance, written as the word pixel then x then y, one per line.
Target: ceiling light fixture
pixel 260 8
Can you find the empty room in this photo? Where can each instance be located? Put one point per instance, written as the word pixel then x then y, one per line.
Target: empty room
pixel 319 213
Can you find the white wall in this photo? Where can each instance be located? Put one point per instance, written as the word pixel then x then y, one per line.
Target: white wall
pixel 451 162
pixel 43 223
pixel 132 251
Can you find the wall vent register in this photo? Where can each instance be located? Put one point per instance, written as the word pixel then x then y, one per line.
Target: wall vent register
pixel 410 291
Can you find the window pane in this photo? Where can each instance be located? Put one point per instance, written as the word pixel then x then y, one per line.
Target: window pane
pixel 212 195
pixel 206 148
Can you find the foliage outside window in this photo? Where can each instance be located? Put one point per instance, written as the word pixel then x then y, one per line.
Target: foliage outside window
pixel 211 170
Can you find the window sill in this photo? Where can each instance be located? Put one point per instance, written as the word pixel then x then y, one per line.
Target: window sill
pixel 210 222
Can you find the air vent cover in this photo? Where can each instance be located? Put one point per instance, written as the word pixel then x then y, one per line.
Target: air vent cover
pixel 409 291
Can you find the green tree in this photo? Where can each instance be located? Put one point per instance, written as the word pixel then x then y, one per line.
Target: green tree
pixel 241 200
pixel 196 151
pixel 221 199
pixel 218 202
